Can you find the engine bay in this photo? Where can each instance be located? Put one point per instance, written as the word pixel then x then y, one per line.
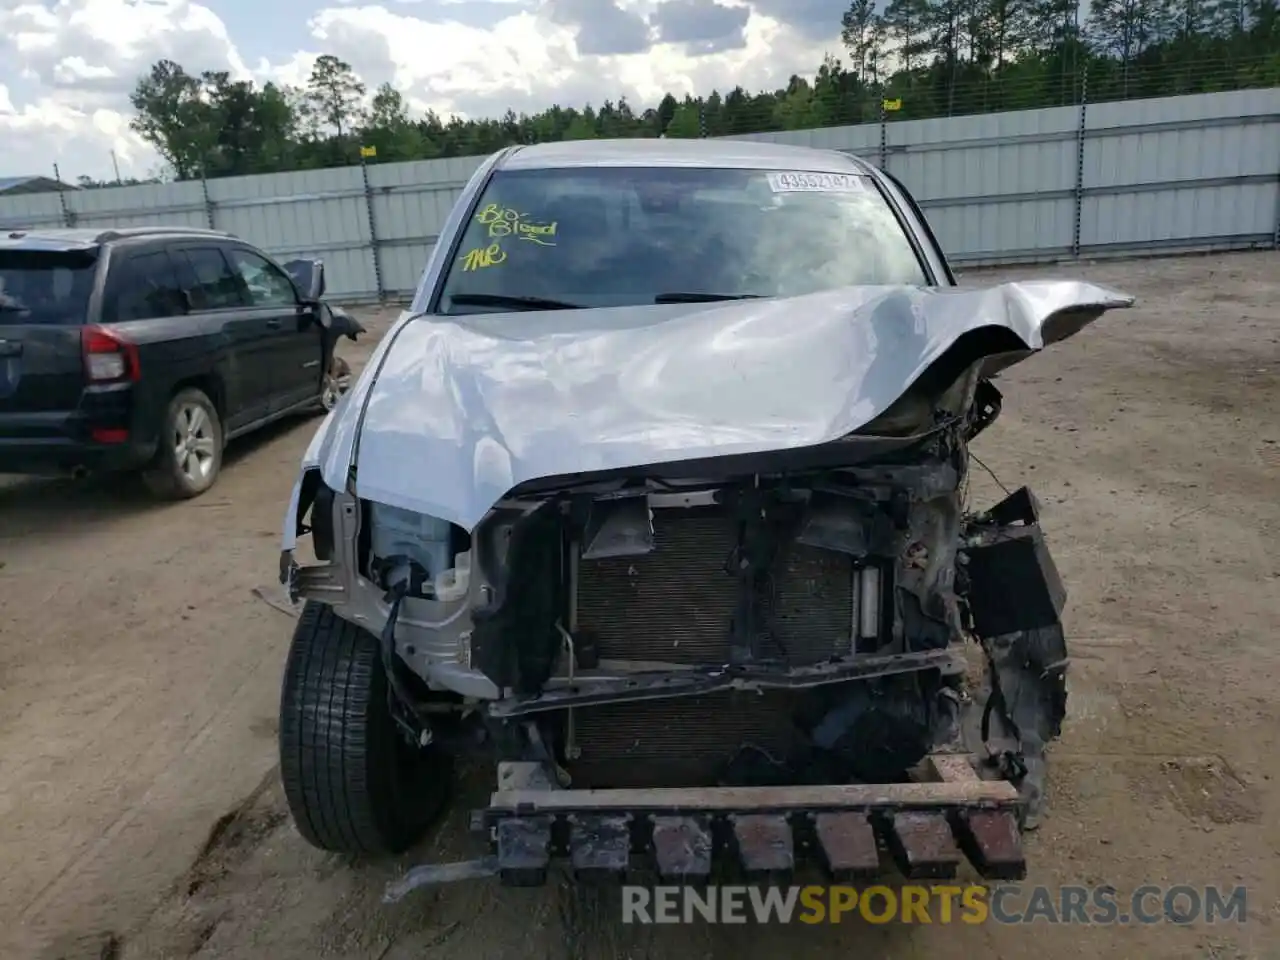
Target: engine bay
pixel 784 626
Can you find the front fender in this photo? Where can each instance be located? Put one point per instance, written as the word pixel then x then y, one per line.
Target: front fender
pixel 333 446
pixel 328 456
pixel 304 487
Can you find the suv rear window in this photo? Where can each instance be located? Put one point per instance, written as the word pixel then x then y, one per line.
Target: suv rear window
pixel 45 286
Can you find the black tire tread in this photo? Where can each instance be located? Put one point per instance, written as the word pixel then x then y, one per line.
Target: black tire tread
pixel 337 741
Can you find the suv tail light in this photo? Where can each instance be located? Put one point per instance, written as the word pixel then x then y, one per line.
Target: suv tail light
pixel 108 357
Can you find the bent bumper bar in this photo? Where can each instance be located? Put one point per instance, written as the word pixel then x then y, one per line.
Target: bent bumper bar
pixel 853 832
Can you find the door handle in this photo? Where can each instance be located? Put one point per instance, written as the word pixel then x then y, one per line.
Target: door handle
pixel 10 348
pixel 273 324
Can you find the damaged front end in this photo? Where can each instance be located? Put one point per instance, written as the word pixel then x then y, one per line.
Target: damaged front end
pixel 676 660
pixel 695 616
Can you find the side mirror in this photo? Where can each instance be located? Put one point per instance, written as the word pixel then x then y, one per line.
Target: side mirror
pixel 308 277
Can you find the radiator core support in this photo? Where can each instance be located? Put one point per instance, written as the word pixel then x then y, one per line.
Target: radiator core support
pixel 676 603
pixel 657 590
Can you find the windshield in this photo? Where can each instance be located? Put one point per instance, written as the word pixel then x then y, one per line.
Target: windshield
pixel 614 236
pixel 45 286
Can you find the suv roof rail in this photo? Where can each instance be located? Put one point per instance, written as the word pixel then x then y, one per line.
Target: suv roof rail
pixel 122 233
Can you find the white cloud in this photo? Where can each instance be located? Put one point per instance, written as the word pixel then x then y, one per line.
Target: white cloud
pixel 527 61
pixel 48 131
pixel 73 70
pixel 78 60
pixel 70 66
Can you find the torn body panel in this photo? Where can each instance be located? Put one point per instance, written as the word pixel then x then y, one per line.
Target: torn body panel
pixel 1014 599
pixel 486 403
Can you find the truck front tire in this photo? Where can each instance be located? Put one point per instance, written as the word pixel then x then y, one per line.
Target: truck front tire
pixel 353 783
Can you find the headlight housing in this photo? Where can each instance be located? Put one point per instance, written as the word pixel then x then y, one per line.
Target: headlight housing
pixel 439 549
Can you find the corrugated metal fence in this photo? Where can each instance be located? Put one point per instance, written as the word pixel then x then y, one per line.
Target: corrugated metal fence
pixel 1134 177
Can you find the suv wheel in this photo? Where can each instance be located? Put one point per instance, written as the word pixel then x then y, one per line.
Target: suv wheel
pixel 353 782
pixel 336 383
pixel 189 455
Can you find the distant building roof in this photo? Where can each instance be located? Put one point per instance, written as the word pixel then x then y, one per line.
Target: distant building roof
pixel 14 185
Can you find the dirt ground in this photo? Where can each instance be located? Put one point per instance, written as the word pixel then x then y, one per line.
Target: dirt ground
pixel 140 812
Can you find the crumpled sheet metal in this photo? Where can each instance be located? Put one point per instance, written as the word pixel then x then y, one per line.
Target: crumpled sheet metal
pixel 452 413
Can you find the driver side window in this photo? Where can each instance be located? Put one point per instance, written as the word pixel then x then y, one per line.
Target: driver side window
pixel 267 285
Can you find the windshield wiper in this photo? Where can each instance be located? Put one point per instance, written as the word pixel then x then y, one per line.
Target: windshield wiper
pixel 703 297
pixel 509 300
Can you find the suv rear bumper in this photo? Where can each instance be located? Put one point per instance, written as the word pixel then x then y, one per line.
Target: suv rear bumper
pixel 40 444
pixel 62 441
pixel 53 456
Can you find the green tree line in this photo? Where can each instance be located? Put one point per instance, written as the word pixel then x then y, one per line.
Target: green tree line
pixel 926 58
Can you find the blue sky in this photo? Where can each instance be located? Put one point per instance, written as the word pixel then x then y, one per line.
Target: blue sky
pixel 67 66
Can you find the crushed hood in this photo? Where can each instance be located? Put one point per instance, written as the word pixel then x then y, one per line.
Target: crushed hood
pixel 452 413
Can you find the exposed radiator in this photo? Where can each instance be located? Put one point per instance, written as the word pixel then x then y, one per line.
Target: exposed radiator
pixel 686 741
pixel 676 603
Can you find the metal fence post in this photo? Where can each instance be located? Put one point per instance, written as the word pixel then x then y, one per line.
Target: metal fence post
pixel 373 229
pixel 702 120
pixel 884 136
pixel 208 203
pixel 1081 135
pixel 68 215
pixel 1275 237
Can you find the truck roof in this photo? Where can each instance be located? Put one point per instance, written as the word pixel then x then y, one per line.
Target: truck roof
pixel 662 152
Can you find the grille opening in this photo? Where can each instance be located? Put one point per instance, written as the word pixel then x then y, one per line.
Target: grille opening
pixel 676 604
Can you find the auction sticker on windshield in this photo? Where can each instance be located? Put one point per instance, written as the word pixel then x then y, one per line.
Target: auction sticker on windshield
pixel 802 182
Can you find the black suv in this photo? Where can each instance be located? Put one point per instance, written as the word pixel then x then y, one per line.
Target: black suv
pixel 147 349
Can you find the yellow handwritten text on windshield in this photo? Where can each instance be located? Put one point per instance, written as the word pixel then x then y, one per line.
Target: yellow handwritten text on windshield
pixel 482 257
pixel 507 222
